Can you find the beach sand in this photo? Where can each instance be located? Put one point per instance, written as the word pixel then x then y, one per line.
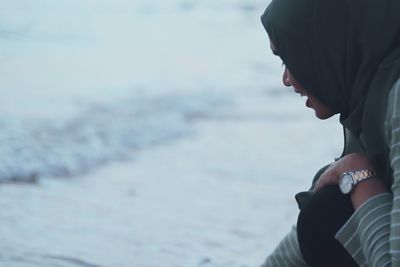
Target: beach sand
pixel 220 197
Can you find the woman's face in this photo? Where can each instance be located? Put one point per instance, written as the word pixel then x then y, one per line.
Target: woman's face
pixel 321 111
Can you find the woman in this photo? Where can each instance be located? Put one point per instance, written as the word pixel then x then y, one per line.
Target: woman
pixel 344 55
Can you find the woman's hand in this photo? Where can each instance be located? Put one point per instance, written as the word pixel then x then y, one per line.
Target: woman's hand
pixel 351 162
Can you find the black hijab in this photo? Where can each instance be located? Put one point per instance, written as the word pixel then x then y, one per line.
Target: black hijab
pixel 347 54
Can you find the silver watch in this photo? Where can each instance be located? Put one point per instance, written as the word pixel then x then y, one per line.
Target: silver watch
pixel 349 180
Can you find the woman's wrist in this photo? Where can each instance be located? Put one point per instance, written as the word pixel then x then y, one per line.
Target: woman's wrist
pixel 365 190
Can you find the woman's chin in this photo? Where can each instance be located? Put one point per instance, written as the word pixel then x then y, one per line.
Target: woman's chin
pixel 323 115
pixel 321 111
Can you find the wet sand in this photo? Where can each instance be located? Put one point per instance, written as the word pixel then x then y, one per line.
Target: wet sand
pixel 221 197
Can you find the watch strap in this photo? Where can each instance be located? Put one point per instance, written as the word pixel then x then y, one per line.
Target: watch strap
pixel 361 175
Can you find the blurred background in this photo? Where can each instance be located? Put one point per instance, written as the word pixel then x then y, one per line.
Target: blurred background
pixel 148 133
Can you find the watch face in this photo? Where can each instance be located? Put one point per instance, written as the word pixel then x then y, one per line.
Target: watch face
pixel 346 183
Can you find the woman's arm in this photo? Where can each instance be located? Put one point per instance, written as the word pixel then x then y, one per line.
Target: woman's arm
pixel 395 163
pixel 287 253
pixel 366 190
pixel 375 226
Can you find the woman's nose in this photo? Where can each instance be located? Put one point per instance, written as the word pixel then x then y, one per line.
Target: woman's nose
pixel 285 78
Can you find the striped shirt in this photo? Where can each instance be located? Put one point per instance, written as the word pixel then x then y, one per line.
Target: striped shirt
pixel 287 253
pixel 372 234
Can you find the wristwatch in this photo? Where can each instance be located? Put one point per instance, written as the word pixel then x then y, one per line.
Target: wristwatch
pixel 349 180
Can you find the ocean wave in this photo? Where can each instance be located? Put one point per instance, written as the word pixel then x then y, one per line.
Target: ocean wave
pixel 33 148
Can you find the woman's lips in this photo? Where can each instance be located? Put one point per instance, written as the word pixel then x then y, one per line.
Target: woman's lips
pixel 308 103
pixel 299 92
